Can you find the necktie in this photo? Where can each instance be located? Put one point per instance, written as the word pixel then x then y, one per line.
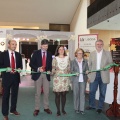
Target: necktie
pixel 12 62
pixel 44 61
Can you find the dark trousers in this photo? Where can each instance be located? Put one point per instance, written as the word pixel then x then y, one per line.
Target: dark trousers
pixel 102 92
pixel 12 87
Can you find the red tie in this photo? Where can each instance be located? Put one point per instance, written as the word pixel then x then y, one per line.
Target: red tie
pixel 44 61
pixel 12 62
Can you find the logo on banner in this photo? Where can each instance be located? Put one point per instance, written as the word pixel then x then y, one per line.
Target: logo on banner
pixel 87 42
pixel 2 43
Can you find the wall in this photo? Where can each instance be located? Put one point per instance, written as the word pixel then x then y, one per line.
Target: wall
pixel 24 26
pixel 79 23
pixel 106 36
pixel 5 40
pixel 2 39
pixel 79 26
pixel 2 44
pixel 105 13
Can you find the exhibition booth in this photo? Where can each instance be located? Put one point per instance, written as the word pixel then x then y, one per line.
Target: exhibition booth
pixel 37 36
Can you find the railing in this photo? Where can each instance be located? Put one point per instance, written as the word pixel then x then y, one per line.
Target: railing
pixel 96 6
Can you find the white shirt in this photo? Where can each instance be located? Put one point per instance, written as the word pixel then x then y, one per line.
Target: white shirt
pixel 99 56
pixel 42 53
pixel 9 51
pixel 80 70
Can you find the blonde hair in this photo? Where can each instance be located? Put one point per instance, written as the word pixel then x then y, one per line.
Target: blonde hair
pixel 79 49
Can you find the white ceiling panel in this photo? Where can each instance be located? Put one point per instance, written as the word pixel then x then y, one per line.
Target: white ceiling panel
pixel 38 11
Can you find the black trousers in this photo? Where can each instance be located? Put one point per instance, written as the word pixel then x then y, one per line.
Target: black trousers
pixel 10 88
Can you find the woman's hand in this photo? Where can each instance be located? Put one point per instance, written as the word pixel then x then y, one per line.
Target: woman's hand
pixel 77 74
pixel 87 72
pixel 88 80
pixel 19 70
pixel 48 72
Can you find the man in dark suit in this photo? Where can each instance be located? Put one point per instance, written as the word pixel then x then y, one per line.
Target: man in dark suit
pixel 41 61
pixel 10 79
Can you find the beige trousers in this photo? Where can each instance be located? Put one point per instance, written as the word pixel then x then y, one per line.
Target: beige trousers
pixel 46 86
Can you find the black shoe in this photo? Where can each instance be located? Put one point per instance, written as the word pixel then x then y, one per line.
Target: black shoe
pixel 77 111
pixel 15 113
pixel 99 111
pixel 89 108
pixel 48 111
pixel 58 113
pixel 63 112
pixel 36 112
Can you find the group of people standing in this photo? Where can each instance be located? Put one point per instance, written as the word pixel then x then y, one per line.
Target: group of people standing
pixel 42 63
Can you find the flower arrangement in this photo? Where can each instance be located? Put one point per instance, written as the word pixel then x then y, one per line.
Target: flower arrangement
pixel 72 37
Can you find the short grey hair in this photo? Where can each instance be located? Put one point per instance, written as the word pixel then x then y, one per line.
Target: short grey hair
pixel 99 40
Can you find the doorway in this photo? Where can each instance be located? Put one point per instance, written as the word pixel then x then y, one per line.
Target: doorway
pixel 27 48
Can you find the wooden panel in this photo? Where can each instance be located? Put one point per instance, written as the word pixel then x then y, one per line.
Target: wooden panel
pixel 59 27
pixel 91 1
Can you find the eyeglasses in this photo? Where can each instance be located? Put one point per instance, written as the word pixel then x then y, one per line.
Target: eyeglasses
pixel 80 53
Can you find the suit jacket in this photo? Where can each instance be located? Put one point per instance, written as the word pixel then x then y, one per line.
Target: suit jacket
pixel 5 62
pixel 75 69
pixel 105 60
pixel 36 62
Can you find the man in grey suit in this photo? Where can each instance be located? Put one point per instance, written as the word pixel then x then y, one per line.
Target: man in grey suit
pixel 97 60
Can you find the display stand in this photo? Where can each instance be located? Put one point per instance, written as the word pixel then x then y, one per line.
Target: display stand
pixel 114 109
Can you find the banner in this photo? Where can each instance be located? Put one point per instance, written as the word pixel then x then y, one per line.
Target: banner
pixel 87 42
pixel 115 49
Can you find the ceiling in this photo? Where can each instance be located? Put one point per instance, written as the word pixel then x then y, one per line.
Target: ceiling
pixel 35 12
pixel 112 23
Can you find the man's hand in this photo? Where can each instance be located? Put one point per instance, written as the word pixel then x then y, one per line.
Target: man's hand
pixel 8 69
pixel 77 74
pixel 48 72
pixel 87 72
pixel 41 69
pixel 88 80
pixel 19 70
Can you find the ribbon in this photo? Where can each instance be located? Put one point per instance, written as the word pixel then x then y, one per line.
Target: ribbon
pixel 5 69
pixel 68 75
pixel 28 71
pixel 62 75
pixel 103 69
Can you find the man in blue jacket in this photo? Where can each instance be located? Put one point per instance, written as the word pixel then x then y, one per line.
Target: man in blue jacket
pixel 41 61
